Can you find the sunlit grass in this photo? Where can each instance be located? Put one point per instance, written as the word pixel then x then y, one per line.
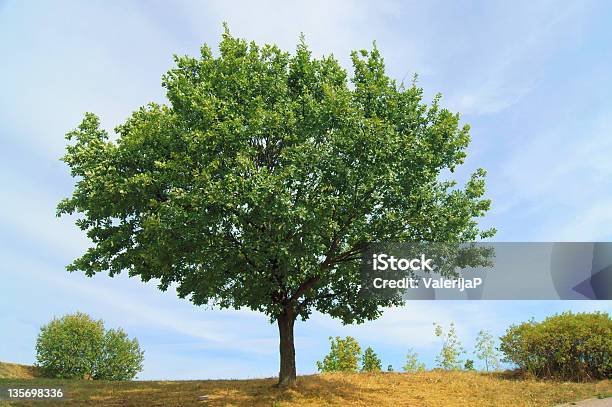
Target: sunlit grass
pixel 434 388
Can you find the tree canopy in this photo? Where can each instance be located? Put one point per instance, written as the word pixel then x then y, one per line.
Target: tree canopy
pixel 260 181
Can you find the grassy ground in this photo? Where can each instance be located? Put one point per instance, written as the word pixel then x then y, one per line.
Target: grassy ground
pixel 434 388
pixel 15 371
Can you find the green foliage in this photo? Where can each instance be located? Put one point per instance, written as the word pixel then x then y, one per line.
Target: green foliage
pixel 468 365
pixel 486 351
pixel 260 182
pixel 76 347
pixel 412 362
pixel 70 347
pixel 121 358
pixel 566 346
pixel 343 357
pixel 449 356
pixel 370 361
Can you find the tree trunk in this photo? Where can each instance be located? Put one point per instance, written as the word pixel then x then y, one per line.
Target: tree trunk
pixel 287 373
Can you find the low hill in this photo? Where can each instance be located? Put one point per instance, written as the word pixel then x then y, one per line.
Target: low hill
pixel 17 371
pixel 431 389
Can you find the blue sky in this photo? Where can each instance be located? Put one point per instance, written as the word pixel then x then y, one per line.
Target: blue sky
pixel 531 78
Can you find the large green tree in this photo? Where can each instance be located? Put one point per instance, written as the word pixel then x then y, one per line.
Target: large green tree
pixel 261 180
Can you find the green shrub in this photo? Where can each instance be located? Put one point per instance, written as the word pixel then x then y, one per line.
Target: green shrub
pixel 485 350
pixel 370 362
pixel 449 356
pixel 78 347
pixel 343 357
pixel 566 346
pixel 121 357
pixel 412 362
pixel 468 365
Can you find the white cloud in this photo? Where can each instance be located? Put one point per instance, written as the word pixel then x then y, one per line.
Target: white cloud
pixel 594 223
pixel 69 58
pixel 504 56
pixel 143 306
pixel 330 27
pixel 29 209
pixel 563 174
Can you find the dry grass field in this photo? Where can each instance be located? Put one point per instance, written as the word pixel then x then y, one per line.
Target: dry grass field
pixel 434 388
pixel 15 371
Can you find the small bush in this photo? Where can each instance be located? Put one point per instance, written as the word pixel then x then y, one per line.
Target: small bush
pixel 485 350
pixel 343 357
pixel 78 347
pixel 566 346
pixel 370 362
pixel 449 356
pixel 412 363
pixel 121 357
